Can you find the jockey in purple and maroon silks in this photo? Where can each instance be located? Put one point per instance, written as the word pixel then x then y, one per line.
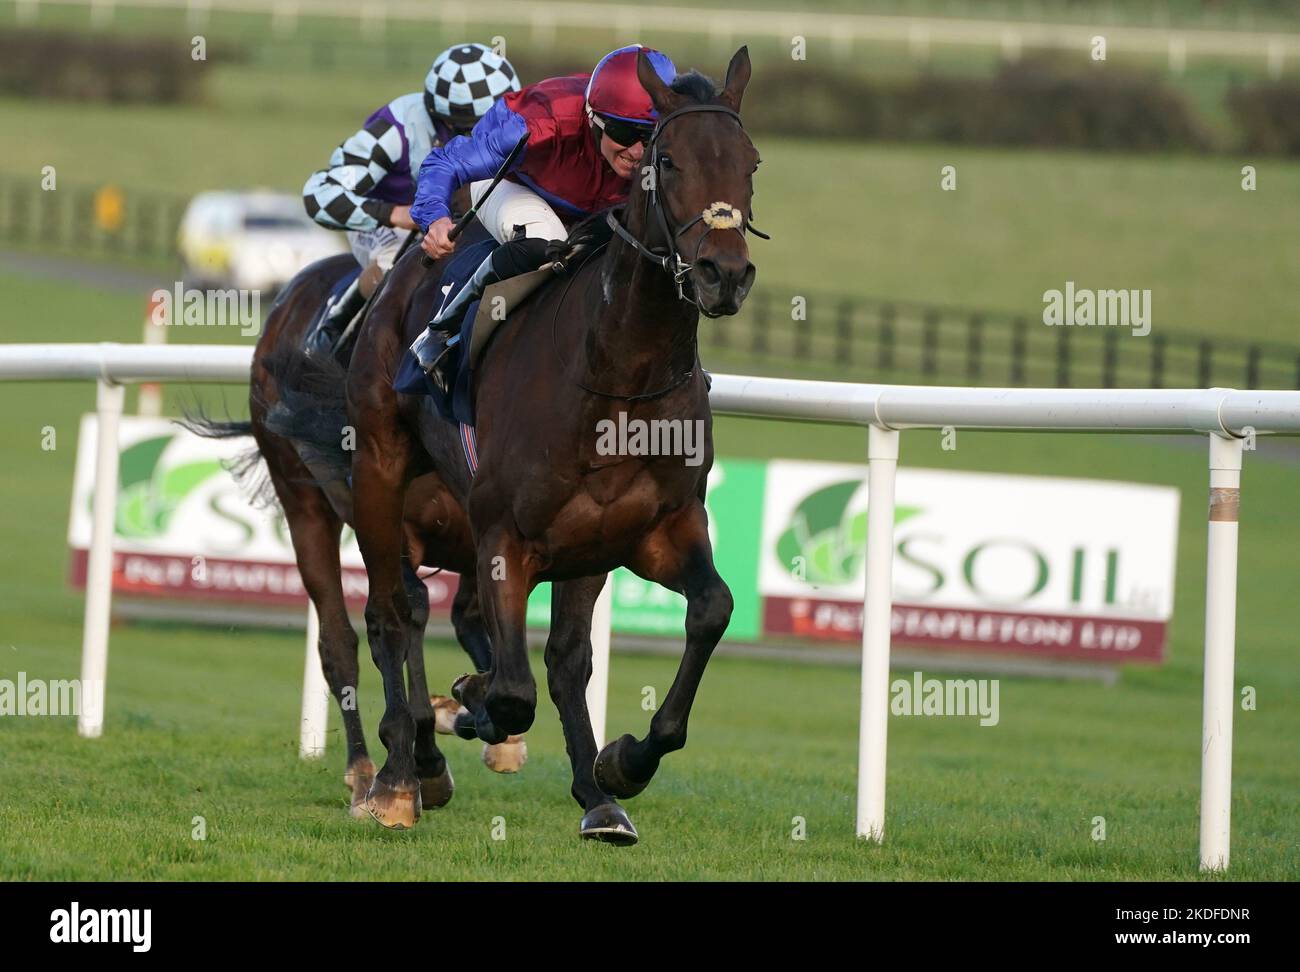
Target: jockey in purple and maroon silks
pixel 586 136
pixel 369 186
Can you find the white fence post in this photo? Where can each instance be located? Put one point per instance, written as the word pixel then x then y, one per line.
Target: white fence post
pixel 598 685
pixel 1220 651
pixel 877 609
pixel 315 694
pixel 109 399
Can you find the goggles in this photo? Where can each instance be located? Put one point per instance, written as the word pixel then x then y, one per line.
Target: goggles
pixel 622 132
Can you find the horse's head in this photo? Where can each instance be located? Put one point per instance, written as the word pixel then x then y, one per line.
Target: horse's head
pixel 698 183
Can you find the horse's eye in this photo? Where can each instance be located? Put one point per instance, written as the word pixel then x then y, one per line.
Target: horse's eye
pixel 666 161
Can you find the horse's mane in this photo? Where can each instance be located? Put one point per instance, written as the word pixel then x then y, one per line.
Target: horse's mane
pixel 696 86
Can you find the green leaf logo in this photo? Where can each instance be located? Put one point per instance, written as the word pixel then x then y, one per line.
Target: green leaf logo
pixel 148 493
pixel 831 544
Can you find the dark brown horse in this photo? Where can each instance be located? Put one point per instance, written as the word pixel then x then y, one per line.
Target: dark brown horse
pixel 617 339
pixel 298 418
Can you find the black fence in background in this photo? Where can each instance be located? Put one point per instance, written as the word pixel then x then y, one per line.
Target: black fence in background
pixel 869 339
pixel 844 337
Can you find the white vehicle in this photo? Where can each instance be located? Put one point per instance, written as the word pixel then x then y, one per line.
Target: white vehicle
pixel 250 240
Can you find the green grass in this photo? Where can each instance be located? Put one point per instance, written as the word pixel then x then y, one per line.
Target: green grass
pixel 203 721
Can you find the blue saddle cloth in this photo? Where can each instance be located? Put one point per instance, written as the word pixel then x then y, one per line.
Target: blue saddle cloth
pixel 411 379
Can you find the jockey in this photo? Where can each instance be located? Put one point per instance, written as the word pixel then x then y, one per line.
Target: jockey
pixel 369 185
pixel 586 136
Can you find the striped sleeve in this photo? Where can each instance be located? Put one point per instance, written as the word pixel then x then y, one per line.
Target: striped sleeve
pixel 336 197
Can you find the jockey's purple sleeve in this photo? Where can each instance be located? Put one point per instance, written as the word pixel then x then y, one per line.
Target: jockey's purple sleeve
pixel 466 159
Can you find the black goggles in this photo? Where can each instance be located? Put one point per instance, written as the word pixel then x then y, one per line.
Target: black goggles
pixel 624 133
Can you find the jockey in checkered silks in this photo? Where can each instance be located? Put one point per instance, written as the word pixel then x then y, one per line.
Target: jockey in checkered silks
pixel 369 186
pixel 586 136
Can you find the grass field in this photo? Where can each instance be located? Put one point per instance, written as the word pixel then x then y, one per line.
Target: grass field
pixel 203 721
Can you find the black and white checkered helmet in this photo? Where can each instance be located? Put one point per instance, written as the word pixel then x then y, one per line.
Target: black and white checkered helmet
pixel 464 82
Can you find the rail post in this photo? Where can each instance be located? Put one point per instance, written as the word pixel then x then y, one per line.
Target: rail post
pixel 109 398
pixel 877 608
pixel 315 694
pixel 598 684
pixel 1220 651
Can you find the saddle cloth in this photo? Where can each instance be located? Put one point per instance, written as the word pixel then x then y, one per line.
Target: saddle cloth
pixel 482 319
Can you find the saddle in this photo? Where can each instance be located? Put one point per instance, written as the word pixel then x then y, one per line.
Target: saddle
pixel 485 316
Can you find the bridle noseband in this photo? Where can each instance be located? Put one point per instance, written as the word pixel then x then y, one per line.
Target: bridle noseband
pixel 719 216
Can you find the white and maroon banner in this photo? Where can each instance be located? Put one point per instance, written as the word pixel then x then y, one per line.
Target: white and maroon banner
pixel 186 529
pixel 1021 565
pixel 1012 565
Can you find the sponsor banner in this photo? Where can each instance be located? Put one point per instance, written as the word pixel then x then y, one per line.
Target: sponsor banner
pixel 186 529
pixel 1011 564
pixel 1019 565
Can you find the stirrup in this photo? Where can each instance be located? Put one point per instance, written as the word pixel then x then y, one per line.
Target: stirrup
pixel 432 350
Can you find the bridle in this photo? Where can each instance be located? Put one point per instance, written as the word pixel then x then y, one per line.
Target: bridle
pixel 719 216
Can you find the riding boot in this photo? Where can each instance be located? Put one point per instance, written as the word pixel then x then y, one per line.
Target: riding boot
pixel 327 333
pixel 433 348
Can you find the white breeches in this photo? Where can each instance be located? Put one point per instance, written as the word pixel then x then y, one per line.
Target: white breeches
pixel 512 205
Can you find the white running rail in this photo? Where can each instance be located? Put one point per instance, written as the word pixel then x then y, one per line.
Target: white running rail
pixel 1226 416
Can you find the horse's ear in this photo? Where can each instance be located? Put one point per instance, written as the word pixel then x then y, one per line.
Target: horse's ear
pixel 737 78
pixel 662 96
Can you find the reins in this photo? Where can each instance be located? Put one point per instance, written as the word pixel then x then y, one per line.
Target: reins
pixel 555 343
pixel 719 216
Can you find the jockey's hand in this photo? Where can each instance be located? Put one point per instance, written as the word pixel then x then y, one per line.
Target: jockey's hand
pixel 401 218
pixel 435 242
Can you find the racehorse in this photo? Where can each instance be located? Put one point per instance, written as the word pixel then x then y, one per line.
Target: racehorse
pixel 618 338
pixel 299 422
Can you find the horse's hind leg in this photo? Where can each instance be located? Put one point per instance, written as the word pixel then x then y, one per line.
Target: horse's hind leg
pixel 314 528
pixel 679 556
pixel 568 669
pixel 379 484
pixel 436 785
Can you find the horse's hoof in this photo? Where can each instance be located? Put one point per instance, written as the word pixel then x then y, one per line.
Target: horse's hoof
pixel 506 757
pixel 609 823
pixel 436 791
pixel 512 714
pixel 445 712
pixel 610 774
pixel 465 725
pixel 469 689
pixel 393 808
pixel 358 778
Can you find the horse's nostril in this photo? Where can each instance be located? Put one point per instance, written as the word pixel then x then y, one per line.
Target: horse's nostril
pixel 709 272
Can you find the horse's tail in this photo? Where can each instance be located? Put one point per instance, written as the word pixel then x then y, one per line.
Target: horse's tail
pixel 247 468
pixel 312 410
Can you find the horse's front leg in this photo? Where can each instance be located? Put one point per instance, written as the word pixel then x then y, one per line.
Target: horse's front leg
pixel 379 487
pixel 568 669
pixel 505 579
pixel 677 555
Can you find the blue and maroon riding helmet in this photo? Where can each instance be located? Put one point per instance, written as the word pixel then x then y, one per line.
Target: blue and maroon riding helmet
pixel 616 102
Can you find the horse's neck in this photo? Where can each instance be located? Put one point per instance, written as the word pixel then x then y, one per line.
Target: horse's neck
pixel 643 338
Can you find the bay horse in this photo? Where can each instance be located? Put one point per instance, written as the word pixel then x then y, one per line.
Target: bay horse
pixel 299 422
pixel 617 338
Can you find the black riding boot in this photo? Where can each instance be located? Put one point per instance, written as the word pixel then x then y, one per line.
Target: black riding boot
pixel 433 347
pixel 327 333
